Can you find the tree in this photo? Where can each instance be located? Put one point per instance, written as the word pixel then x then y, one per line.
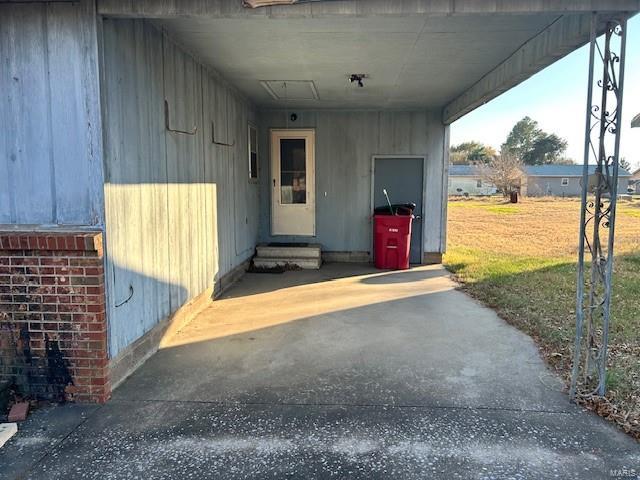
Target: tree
pixel 505 172
pixel 521 137
pixel 471 153
pixel 532 145
pixel 565 161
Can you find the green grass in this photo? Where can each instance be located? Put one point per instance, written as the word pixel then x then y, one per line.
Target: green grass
pixel 630 208
pixel 498 208
pixel 632 212
pixel 539 293
pixel 535 291
pixel 503 209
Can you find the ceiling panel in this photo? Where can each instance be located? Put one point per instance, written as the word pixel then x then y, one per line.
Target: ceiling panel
pixel 412 61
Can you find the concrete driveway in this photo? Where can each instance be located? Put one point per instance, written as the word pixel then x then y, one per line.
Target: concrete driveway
pixel 346 372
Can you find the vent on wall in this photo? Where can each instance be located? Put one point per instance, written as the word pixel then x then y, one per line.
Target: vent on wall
pixel 291 89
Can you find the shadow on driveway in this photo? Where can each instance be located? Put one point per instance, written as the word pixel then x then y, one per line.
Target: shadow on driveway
pixel 372 375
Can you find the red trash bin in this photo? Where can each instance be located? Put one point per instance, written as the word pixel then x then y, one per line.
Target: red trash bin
pixel 392 241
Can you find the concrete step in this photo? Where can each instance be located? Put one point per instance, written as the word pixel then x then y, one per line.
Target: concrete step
pixel 305 263
pixel 7 430
pixel 312 251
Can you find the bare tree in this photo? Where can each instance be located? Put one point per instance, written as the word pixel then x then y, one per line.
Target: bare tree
pixel 505 171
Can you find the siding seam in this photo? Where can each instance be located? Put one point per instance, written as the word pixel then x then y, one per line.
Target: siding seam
pixel 52 166
pixel 166 168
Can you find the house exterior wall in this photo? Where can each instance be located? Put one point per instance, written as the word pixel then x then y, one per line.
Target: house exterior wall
pixel 634 181
pixel 53 330
pixel 469 185
pixel 180 211
pixel 50 115
pixel 552 186
pixel 52 295
pixel 345 144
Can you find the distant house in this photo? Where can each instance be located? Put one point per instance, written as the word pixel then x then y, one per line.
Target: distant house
pixel 634 181
pixel 562 180
pixel 537 181
pixel 467 180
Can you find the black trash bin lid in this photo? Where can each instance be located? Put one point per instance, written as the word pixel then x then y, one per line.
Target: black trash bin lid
pixel 398 209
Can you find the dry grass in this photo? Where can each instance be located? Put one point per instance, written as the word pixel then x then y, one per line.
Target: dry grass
pixel 509 228
pixel 520 260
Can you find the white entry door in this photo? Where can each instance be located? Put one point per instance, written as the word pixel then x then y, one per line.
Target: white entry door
pixel 293 199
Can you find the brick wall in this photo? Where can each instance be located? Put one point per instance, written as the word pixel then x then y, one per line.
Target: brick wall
pixel 53 330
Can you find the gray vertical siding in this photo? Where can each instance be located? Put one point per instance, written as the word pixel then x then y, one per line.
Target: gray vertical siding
pixel 180 211
pixel 541 186
pixel 345 144
pixel 50 140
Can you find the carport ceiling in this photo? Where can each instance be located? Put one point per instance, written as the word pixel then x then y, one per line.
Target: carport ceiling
pixel 411 61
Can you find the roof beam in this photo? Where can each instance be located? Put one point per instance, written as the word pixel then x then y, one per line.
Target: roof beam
pixel 560 38
pixel 234 8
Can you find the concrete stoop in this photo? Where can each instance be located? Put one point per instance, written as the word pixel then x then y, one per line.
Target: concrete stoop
pixel 305 256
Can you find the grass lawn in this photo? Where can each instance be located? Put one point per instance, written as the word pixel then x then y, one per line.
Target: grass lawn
pixel 520 259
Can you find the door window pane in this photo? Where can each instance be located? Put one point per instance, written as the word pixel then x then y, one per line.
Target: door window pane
pixel 293 173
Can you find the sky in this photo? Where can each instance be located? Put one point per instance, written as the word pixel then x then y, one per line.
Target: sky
pixel 556 98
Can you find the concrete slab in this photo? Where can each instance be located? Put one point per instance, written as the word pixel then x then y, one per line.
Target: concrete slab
pixel 373 338
pixel 305 256
pixel 345 372
pixel 289 262
pixel 171 440
pixel 289 251
pixel 45 427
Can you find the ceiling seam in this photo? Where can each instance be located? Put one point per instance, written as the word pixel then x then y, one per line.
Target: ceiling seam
pixel 406 60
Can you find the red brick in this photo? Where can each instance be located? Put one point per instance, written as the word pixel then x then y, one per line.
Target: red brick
pixel 19 412
pixel 48 281
pixel 70 242
pixel 54 261
pixel 98 381
pixel 86 262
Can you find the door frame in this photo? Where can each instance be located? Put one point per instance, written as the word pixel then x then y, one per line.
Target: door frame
pixel 311 175
pixel 424 194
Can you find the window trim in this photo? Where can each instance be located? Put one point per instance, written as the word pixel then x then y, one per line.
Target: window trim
pixel 564 182
pixel 252 179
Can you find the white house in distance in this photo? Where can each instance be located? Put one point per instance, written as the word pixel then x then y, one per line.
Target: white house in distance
pixel 634 181
pixel 467 180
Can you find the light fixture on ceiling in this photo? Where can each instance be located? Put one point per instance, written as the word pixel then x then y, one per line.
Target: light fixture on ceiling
pixel 357 78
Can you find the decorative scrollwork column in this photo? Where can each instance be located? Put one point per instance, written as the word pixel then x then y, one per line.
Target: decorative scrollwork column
pixel 598 207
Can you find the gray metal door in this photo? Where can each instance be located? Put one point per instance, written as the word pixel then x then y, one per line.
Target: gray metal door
pixel 402 177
